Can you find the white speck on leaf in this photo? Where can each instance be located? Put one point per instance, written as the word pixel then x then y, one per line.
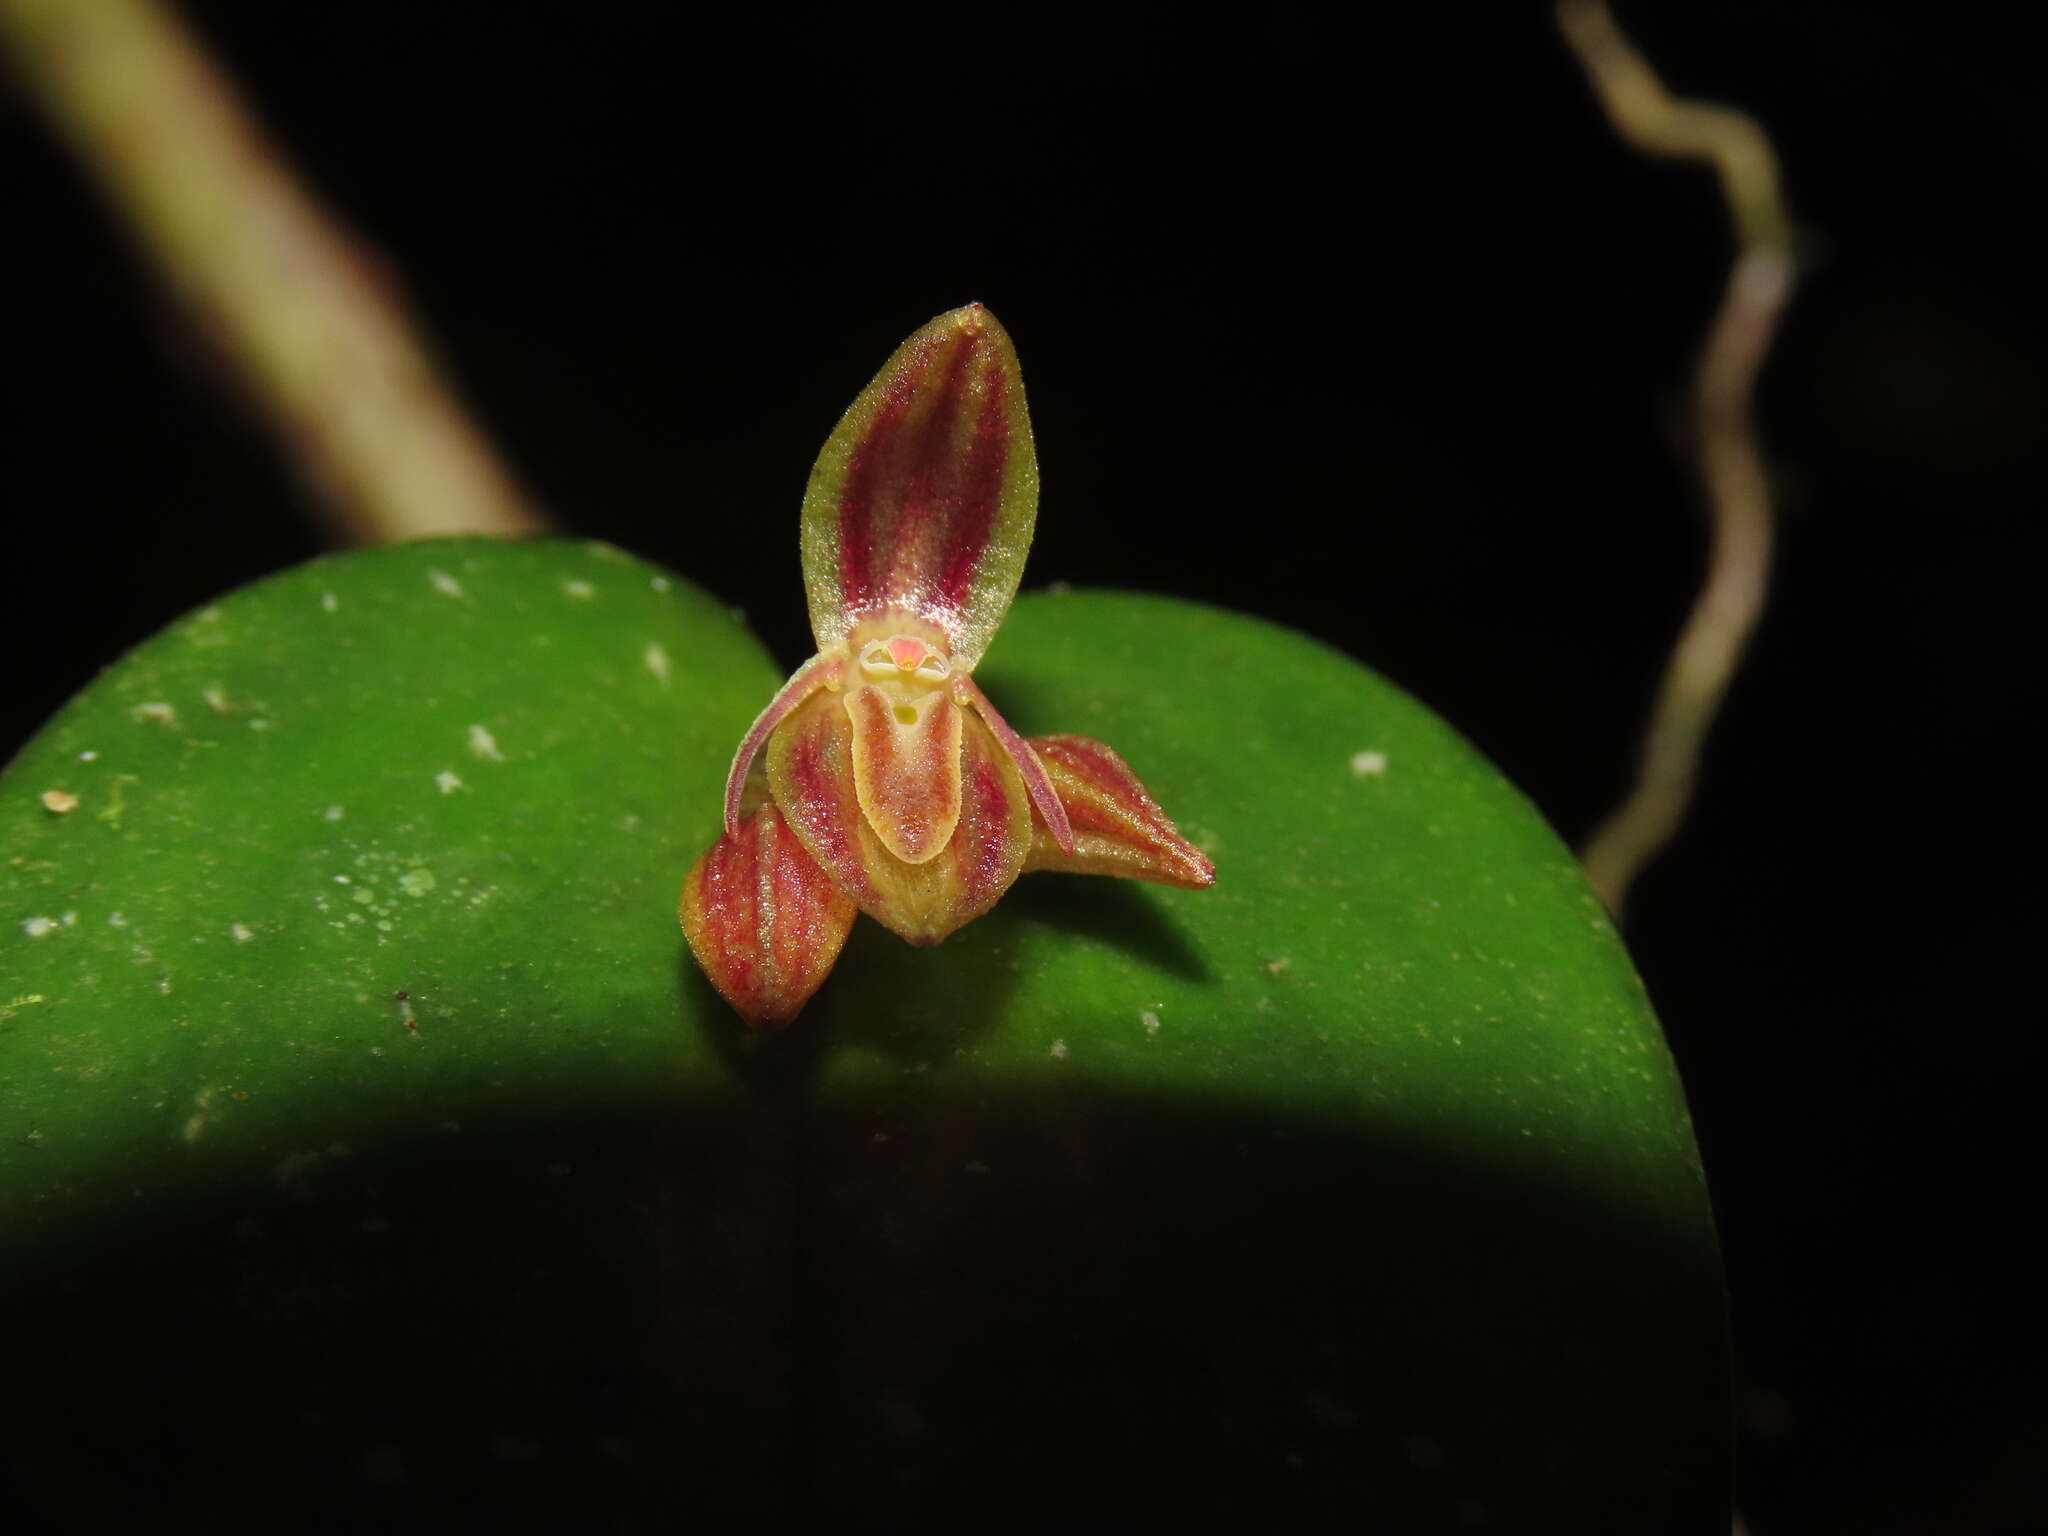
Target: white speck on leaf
pixel 156 712
pixel 581 590
pixel 484 745
pixel 59 801
pixel 659 583
pixel 1365 764
pixel 1059 1050
pixel 448 781
pixel 445 584
pixel 656 660
pixel 217 699
pixel 329 601
pixel 333 813
pixel 1150 1020
pixel 88 757
pixel 195 1122
pixel 416 882
pixel 36 927
pixel 241 932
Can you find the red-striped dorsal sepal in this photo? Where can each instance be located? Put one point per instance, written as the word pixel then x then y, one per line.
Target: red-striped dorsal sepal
pixel 922 503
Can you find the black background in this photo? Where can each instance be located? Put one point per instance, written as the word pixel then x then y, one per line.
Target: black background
pixel 1358 320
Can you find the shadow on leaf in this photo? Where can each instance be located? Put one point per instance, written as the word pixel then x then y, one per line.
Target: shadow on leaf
pixel 1114 912
pixel 882 993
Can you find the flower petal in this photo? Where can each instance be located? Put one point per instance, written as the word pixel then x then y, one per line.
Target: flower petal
pixel 1118 829
pixel 924 497
pixel 1044 799
pixel 806 680
pixel 906 766
pixel 810 773
pixel 763 919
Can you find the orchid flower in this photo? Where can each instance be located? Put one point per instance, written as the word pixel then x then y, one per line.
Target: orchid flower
pixel 880 779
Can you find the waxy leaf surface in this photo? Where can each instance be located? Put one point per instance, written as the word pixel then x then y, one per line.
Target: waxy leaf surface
pixel 368 1140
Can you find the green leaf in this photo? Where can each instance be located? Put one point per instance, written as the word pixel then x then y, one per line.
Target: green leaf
pixel 1357 1187
pixel 466 772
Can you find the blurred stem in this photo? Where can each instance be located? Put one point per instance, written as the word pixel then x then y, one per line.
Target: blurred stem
pixel 1710 647
pixel 308 318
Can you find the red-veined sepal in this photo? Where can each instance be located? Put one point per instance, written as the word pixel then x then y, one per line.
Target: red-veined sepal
pixel 763 919
pixel 924 497
pixel 1044 799
pixel 1117 828
pixel 810 764
pixel 806 680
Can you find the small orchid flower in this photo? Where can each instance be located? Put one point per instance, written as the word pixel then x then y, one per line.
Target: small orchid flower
pixel 880 779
